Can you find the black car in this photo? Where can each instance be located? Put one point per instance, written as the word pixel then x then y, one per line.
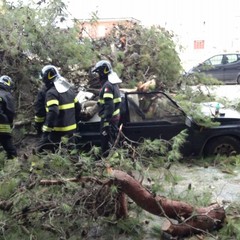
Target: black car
pixel 224 67
pixel 155 115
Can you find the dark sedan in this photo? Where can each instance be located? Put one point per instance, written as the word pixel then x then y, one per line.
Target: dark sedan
pixel 155 115
pixel 224 67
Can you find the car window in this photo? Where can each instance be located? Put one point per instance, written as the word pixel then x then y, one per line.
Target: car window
pixel 232 58
pixel 216 60
pixel 153 107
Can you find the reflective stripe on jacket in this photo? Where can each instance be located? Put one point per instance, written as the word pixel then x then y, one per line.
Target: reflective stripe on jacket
pixel 109 101
pixel 5 128
pixel 7 110
pixel 62 111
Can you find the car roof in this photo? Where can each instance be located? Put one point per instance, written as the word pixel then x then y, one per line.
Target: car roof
pixel 228 53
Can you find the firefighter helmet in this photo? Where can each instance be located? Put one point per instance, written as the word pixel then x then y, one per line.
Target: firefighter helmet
pixel 49 73
pixel 7 81
pixel 103 68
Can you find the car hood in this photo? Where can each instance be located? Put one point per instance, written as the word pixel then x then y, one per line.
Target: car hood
pixel 208 109
pixel 192 70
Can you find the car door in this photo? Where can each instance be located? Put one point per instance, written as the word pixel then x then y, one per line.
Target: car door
pixel 213 67
pixel 231 68
pixel 152 116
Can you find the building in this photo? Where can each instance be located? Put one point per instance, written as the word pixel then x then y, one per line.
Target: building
pixel 101 27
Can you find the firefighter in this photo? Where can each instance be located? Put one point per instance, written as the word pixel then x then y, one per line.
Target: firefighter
pixel 109 104
pixel 40 110
pixel 62 109
pixel 7 113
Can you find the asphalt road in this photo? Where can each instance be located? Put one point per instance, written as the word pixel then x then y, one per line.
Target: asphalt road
pixel 229 92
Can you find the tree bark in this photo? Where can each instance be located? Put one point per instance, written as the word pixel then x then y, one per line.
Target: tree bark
pixel 204 220
pixel 122 208
pixel 192 219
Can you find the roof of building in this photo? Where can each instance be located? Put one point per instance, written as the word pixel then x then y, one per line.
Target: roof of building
pixel 112 20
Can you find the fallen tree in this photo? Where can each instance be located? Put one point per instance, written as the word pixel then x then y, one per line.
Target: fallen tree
pixel 190 219
pixel 182 219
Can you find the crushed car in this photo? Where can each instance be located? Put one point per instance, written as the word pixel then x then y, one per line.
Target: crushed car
pixel 155 115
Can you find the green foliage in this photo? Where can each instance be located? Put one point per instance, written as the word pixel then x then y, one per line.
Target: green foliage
pixel 59 164
pixel 130 226
pixel 195 94
pixel 199 78
pixel 155 147
pixel 158 152
pixel 148 53
pixel 153 152
pixel 75 208
pixel 191 102
pixel 8 187
pixel 31 38
pixel 2 159
pixel 231 230
pixel 11 167
pixel 67 209
pixel 119 158
pixel 176 143
pixel 156 231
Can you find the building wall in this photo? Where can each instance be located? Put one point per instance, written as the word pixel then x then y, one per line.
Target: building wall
pixel 102 27
pixel 213 36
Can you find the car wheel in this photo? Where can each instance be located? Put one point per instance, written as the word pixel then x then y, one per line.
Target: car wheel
pixel 238 80
pixel 226 145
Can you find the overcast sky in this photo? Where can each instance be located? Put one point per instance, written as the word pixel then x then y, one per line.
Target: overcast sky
pixel 164 12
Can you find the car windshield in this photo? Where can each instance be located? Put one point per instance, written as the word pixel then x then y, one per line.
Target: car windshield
pixel 153 107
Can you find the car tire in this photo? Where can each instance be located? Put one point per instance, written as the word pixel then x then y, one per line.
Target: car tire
pixel 224 145
pixel 238 80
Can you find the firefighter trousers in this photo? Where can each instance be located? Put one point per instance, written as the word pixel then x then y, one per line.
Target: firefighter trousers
pixel 7 144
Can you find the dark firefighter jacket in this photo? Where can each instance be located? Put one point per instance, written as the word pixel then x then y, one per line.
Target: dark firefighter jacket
pixel 62 111
pixel 7 110
pixel 109 102
pixel 40 110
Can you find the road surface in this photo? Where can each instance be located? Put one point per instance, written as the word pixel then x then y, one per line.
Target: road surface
pixel 228 92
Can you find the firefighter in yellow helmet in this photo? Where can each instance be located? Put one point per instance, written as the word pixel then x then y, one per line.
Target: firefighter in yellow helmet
pixel 109 104
pixel 62 109
pixel 7 113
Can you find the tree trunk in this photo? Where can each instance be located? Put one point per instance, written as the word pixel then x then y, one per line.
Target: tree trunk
pixel 193 220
